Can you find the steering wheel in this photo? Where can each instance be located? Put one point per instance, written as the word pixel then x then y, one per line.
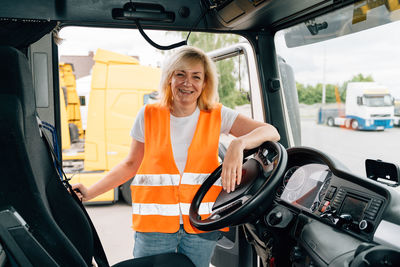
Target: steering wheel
pixel 260 177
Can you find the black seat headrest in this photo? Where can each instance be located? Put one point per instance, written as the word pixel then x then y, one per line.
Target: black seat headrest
pixel 16 78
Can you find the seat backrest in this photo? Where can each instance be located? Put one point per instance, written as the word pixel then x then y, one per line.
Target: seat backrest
pixel 29 182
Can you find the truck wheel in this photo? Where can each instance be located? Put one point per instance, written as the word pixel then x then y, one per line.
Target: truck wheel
pixel 125 190
pixel 354 124
pixel 330 122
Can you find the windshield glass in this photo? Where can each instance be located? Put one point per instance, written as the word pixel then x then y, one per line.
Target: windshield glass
pixel 377 101
pixel 347 81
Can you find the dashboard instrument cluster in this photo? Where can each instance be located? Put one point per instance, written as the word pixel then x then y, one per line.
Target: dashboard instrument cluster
pixel 313 188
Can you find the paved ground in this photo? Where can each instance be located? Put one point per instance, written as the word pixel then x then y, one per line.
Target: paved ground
pixel 353 147
pixel 113 224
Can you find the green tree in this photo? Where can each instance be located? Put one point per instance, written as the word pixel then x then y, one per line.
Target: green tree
pixel 309 94
pixel 330 96
pixel 313 94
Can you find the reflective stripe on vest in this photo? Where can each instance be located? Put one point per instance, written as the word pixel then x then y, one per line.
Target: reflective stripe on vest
pixel 159 192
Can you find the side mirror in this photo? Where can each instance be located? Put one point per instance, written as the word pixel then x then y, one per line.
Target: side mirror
pixel 359 100
pixel 384 171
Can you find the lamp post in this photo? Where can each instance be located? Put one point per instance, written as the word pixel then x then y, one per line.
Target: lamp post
pixel 323 75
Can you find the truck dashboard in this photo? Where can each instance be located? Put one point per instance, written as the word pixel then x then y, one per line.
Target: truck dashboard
pixel 326 213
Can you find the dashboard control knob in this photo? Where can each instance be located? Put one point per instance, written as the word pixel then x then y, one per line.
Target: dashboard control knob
pixel 275 218
pixel 344 220
pixel 314 206
pixel 363 224
pixel 330 214
pixel 296 255
pixel 278 217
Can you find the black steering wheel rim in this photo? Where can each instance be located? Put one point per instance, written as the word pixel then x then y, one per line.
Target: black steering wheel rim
pixel 250 208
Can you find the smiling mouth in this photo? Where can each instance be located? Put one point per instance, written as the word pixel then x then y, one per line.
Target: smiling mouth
pixel 185 91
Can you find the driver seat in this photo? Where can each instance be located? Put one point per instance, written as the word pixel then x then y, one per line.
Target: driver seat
pixel 53 230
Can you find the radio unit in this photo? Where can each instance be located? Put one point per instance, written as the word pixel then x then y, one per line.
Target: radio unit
pixel 351 210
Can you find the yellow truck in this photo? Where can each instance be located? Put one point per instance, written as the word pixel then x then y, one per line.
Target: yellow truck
pixel 71 99
pixel 120 87
pixel 71 121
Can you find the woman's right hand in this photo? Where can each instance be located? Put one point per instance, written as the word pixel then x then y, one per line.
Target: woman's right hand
pixel 81 191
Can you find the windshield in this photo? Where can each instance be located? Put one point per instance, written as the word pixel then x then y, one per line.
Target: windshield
pixel 377 101
pixel 334 65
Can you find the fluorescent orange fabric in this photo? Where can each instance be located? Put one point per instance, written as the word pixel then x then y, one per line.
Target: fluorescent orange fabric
pixel 159 192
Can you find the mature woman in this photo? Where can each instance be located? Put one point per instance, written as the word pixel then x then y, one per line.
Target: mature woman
pixel 174 148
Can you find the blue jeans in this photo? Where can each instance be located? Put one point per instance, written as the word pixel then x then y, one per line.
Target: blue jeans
pixel 198 247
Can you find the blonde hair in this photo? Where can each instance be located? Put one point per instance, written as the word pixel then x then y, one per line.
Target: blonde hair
pixel 188 55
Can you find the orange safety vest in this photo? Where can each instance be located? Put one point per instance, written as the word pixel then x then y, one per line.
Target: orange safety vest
pixel 159 192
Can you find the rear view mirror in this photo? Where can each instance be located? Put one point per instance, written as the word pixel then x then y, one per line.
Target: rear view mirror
pixel 384 171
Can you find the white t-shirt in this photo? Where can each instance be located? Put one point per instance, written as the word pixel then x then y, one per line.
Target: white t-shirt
pixel 182 131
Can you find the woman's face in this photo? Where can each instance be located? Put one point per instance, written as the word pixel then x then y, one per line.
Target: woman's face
pixel 187 83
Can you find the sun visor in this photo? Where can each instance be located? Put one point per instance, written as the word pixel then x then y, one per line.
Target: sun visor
pixel 21 33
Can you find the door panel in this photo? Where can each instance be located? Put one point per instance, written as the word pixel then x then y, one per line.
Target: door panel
pixel 41 58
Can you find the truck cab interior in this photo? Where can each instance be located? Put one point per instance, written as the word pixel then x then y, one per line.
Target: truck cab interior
pixel 298 204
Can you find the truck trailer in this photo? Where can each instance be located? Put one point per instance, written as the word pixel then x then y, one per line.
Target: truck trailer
pixel 120 86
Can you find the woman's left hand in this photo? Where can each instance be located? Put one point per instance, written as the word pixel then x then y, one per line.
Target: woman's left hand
pixel 231 174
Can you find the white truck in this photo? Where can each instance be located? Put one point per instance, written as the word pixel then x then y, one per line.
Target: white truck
pixel 396 120
pixel 369 106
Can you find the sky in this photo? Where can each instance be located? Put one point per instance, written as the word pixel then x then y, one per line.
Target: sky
pixel 374 52
pixel 81 40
